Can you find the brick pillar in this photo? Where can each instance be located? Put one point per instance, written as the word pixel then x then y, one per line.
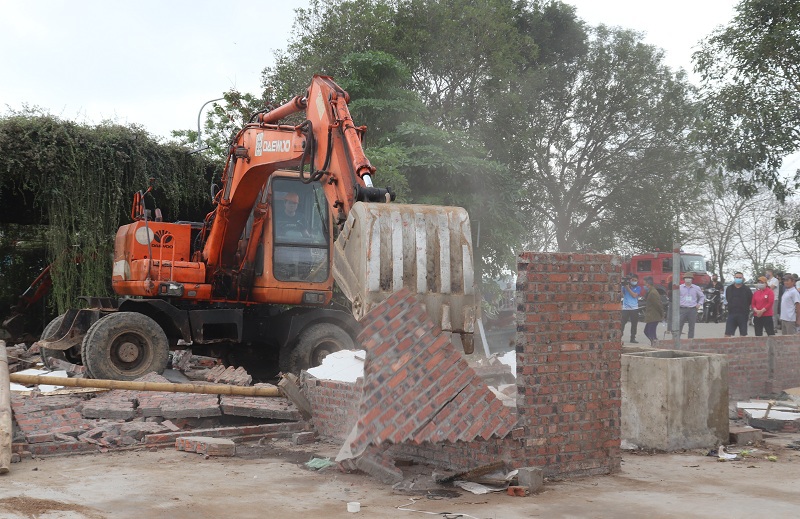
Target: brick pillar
pixel 568 361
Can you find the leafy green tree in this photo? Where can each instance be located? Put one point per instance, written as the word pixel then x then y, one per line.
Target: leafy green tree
pixel 750 72
pixel 222 122
pixel 79 180
pixel 598 139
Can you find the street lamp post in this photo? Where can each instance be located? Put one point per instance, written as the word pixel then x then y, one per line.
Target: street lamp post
pixel 199 134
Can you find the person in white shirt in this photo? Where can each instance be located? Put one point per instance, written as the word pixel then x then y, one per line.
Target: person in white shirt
pixel 790 306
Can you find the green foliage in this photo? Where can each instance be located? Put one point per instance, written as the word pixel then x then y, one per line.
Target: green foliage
pixel 222 122
pixel 22 258
pixel 750 70
pixel 81 179
pixel 598 140
pixel 421 75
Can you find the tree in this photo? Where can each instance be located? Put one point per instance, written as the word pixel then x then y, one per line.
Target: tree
pixel 763 230
pixel 750 73
pixel 422 121
pixel 78 181
pixel 591 132
pixel 222 122
pixel 714 224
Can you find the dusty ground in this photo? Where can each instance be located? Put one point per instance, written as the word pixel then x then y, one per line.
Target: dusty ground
pixel 271 481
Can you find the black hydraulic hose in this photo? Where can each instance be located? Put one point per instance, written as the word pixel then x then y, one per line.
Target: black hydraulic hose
pixel 309 152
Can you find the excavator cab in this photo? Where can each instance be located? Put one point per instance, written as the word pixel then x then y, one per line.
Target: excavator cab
pixel 301 231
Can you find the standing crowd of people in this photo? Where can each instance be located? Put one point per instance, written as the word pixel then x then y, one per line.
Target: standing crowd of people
pixel 774 308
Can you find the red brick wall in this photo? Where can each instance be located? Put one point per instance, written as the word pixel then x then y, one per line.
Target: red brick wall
pixel 335 405
pixel 568 360
pixel 757 366
pixel 568 376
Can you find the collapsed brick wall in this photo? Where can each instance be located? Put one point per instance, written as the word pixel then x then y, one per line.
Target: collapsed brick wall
pixel 568 377
pixel 757 366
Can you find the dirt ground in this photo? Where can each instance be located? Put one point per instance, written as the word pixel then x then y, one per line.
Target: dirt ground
pixel 270 480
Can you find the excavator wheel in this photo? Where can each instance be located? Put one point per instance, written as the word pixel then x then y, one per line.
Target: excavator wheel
pixel 72 355
pixel 125 346
pixel 314 344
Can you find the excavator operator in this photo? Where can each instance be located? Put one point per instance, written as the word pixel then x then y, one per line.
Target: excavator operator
pixel 289 221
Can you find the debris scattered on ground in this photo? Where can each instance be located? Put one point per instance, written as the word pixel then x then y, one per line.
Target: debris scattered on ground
pixel 771 415
pixel 42 388
pixel 726 456
pixel 627 445
pixel 319 463
pixel 229 375
pixel 206 445
pixel 477 488
pixel 194 367
pixel 342 365
pixel 20 357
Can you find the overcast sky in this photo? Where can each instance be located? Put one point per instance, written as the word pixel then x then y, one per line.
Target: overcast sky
pixel 155 62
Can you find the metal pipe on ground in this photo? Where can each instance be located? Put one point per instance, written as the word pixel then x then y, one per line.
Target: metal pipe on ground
pixel 5 412
pixel 167 387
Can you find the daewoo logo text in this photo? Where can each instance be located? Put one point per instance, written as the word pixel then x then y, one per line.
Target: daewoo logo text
pixel 281 146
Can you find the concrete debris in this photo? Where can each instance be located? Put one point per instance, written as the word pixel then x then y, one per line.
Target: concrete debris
pixel 531 478
pixel 772 416
pixel 496 370
pixel 745 435
pixel 72 370
pixel 477 488
pixel 42 388
pixel 343 365
pixel 416 485
pixel 506 393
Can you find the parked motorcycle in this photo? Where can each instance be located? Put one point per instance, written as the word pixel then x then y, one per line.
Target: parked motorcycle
pixel 712 308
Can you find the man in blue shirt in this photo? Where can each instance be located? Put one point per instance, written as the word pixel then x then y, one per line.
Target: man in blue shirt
pixel 630 305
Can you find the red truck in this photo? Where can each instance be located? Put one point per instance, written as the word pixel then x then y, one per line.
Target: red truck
pixel 659 265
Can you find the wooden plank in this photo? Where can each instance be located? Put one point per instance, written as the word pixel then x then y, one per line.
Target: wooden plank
pixel 5 412
pixel 291 389
pixel 167 387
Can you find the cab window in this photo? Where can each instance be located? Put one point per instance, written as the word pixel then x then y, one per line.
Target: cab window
pixel 301 246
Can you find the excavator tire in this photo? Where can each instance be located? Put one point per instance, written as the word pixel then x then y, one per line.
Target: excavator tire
pixel 125 346
pixel 48 332
pixel 315 343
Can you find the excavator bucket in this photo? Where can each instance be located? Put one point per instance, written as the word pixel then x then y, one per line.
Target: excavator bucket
pixel 426 249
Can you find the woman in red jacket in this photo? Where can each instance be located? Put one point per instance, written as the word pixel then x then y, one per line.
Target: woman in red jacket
pixel 762 308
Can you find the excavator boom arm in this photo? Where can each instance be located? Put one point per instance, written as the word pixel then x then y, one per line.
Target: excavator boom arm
pixel 328 142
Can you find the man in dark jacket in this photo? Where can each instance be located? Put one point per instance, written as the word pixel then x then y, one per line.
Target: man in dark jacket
pixel 739 298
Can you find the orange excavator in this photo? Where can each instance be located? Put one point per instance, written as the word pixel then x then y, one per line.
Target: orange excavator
pixel 254 282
